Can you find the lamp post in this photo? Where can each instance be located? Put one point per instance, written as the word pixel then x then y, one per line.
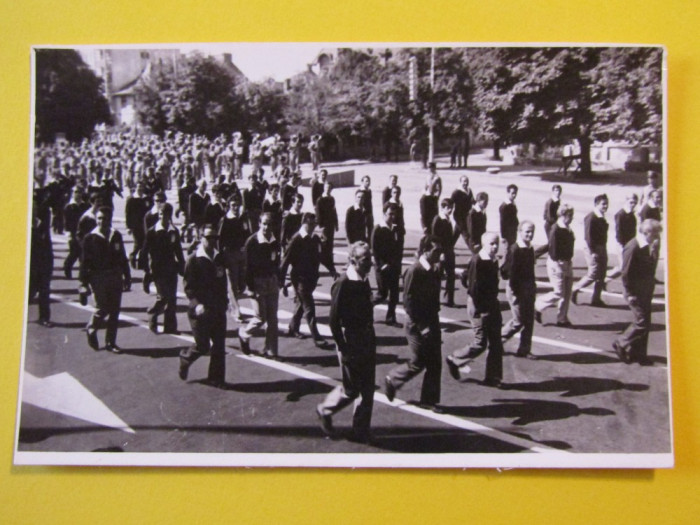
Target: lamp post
pixel 431 137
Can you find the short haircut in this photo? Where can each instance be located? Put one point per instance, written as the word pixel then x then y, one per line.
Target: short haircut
pixel 482 196
pixel 355 249
pixel 463 178
pixel 427 243
pixel 298 197
pixel 365 177
pixel 308 217
pixel 393 176
pixel 632 195
pixel 486 236
pixel 167 209
pixel 447 203
pixel 359 192
pixel 390 206
pixel 600 198
pixel 511 187
pixel 274 186
pixel 565 209
pixel 524 223
pixel 267 215
pixel 328 184
pixel 557 187
pixel 105 210
pixel 323 172
pixel 650 225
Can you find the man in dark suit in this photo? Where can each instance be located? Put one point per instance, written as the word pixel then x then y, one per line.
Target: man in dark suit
pixel 476 222
pixel 355 221
pixel 387 250
pixel 421 301
pixel 104 268
pixel 205 287
pixel 447 232
pixel 304 256
pixel 596 251
pixel 352 326
pixel 639 260
pixel 162 255
pixel 327 217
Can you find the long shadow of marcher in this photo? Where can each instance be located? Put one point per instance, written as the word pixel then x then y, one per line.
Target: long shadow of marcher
pixel 526 411
pixel 577 386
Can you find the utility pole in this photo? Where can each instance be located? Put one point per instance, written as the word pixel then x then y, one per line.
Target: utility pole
pixel 431 137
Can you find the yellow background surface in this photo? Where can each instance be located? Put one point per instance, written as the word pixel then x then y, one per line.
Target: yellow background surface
pixel 129 495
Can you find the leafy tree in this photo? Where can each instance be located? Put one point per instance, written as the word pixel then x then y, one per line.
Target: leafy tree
pixel 69 96
pixel 262 107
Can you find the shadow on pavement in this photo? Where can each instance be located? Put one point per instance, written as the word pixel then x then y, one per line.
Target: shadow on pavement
pixel 577 386
pixel 526 411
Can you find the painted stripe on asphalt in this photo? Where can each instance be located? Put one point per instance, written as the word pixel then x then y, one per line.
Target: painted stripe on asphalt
pixel 453 421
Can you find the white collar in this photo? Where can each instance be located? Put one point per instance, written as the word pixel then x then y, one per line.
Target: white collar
pixel 96 231
pixel 424 263
pixel 268 198
pixel 353 275
pixel 292 211
pixel 596 211
pixel 159 227
pixel 229 215
pixel 522 244
pixel 303 233
pixel 357 206
pixel 484 255
pixel 261 238
pixel 478 208
pixel 642 241
pixel 201 252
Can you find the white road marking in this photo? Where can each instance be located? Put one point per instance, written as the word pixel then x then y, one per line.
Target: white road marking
pixel 64 394
pixel 379 397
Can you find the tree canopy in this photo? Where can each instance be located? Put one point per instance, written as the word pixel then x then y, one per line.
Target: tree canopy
pixel 69 96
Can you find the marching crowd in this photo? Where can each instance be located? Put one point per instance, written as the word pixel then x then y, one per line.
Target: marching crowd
pixel 242 241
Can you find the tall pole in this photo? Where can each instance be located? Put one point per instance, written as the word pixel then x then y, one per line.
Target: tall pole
pixel 431 137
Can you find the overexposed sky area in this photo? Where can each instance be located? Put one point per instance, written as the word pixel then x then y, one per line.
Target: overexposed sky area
pixel 258 61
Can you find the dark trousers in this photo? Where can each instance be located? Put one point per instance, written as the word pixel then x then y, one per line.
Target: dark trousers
pixel 635 338
pixel 305 306
pixel 388 287
pixel 107 291
pixel 327 241
pixel 448 267
pixel 166 302
pixel 426 354
pixel 74 251
pixel 358 371
pixel 40 284
pixel 139 238
pixel 487 334
pixel 209 331
pixel 522 307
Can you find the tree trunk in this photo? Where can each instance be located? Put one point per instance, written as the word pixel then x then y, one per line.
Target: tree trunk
pixel 585 145
pixel 341 152
pixel 496 150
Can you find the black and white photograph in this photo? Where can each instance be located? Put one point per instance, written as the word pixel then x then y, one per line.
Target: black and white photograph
pixel 424 255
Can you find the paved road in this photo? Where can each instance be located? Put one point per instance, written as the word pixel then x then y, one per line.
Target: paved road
pixel 576 398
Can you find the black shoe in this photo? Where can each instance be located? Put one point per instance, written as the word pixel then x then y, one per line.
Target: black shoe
pixel 171 331
pixel 45 323
pixel 92 340
pixel 391 321
pixel 112 347
pixel 153 327
pixel 82 298
pixel 538 316
pixel 321 343
pixel 574 296
pixel 389 389
pixel 433 408
pixel 492 382
pixel 453 368
pixel 147 284
pixel 598 303
pixel 621 352
pixel 245 345
pixel 215 383
pixel 645 361
pixel 68 273
pixel 326 422
pixel 184 368
pixel 564 324
pixel 525 355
